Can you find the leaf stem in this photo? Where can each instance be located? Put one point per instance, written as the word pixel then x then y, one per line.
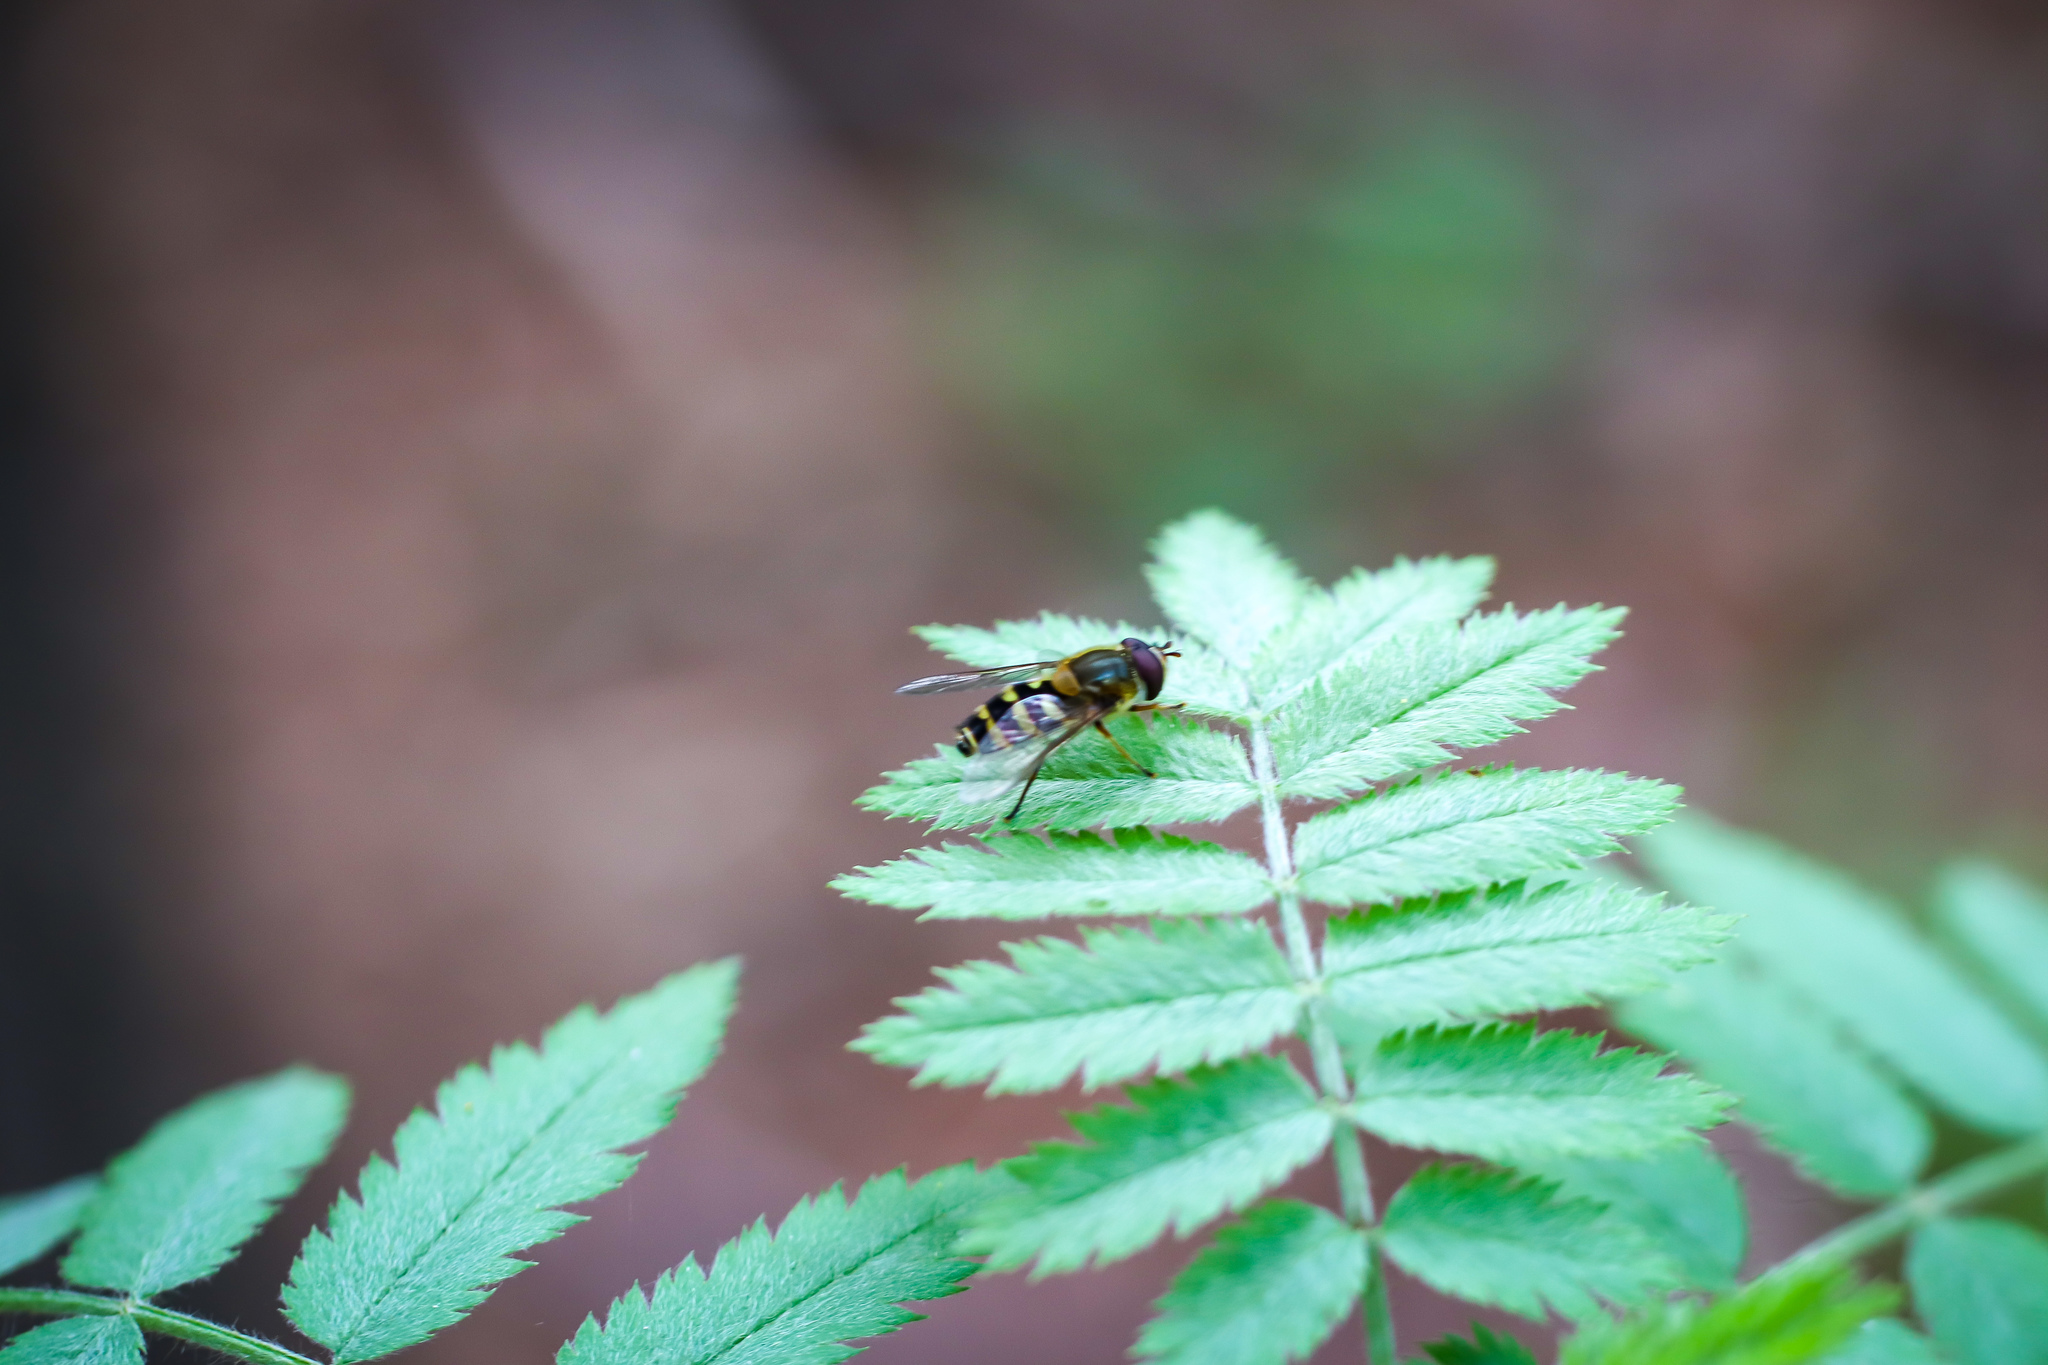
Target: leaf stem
pixel 162 1321
pixel 1968 1182
pixel 1354 1182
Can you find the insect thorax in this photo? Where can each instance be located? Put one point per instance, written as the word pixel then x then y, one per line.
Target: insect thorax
pixel 1105 672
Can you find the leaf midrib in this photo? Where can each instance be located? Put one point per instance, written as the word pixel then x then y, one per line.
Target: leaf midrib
pixel 1278 988
pixel 761 1324
pixel 1441 827
pixel 341 1350
pixel 1349 747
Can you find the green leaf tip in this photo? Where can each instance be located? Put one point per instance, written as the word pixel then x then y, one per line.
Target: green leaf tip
pixel 1425 693
pixel 833 1272
pixel 34 1224
pixel 111 1340
pixel 1462 831
pixel 428 1236
pixel 1182 1152
pixel 1269 1289
pixel 178 1204
pixel 1120 1002
pixel 1224 585
pixel 1509 950
pixel 1517 1243
pixel 1124 872
pixel 1509 1093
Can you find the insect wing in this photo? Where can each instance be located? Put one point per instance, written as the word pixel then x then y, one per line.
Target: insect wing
pixel 1007 760
pixel 961 682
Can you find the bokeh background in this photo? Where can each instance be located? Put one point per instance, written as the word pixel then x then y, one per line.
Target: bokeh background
pixel 470 464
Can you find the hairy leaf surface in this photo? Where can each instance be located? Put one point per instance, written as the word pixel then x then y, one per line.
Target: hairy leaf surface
pixel 1182 1153
pixel 2002 923
pixel 1271 1288
pixel 1132 872
pixel 487 1173
pixel 1341 627
pixel 1812 1097
pixel 34 1223
pixel 1684 1199
pixel 1782 1318
pixel 1494 1238
pixel 1419 696
pixel 832 1273
pixel 1508 1093
pixel 175 1206
pixel 1460 832
pixel 1509 950
pixel 1851 954
pixel 1981 1286
pixel 1223 585
pixel 1203 775
pixel 112 1340
pixel 1120 1002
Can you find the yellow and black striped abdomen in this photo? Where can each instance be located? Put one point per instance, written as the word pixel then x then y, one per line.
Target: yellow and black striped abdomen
pixel 1018 713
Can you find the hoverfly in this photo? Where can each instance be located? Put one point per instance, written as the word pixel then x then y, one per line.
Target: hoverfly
pixel 1010 736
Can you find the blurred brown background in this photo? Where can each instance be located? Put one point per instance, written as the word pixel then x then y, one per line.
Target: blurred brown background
pixel 470 466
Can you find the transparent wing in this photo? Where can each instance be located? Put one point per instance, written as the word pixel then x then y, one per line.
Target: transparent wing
pixel 996 772
pixel 960 682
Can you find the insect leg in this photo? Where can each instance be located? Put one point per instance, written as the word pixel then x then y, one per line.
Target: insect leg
pixel 1122 750
pixel 1033 777
pixel 1159 706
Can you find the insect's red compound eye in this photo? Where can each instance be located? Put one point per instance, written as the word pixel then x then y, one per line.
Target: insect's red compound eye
pixel 1151 668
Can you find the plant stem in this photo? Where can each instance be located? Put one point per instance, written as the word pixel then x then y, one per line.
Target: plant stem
pixel 1354 1182
pixel 1970 1181
pixel 162 1321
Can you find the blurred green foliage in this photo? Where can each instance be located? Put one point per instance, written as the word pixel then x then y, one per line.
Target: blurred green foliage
pixel 1254 345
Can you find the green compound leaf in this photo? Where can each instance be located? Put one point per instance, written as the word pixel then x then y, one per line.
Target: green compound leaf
pixel 1459 832
pixel 1484 1348
pixel 1186 1151
pixel 1203 775
pixel 1885 1341
pixel 1810 1095
pixel 1494 1238
pixel 1849 953
pixel 32 1224
pixel 1270 1289
pixel 1131 872
pixel 1223 585
pixel 1783 1318
pixel 832 1273
pixel 113 1340
pixel 1510 1094
pixel 1417 697
pixel 1197 678
pixel 1120 1002
pixel 1684 1199
pixel 1508 950
pixel 1981 1286
pixel 486 1174
pixel 2002 923
pixel 175 1206
pixel 1359 612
